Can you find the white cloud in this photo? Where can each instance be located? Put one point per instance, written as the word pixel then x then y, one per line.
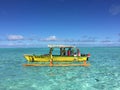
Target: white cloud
pixel 115 9
pixel 15 37
pixel 51 38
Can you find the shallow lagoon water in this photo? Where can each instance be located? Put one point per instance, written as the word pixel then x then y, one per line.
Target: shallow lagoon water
pixel 103 74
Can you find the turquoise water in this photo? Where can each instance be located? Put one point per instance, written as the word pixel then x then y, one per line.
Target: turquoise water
pixel 103 74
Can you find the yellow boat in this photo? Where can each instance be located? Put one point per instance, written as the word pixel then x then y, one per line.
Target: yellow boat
pixel 55 58
pixel 67 54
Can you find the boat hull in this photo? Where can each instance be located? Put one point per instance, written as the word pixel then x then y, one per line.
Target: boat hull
pixel 55 58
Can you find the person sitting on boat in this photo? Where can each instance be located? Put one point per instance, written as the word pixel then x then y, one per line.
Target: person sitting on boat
pixel 68 52
pixel 72 51
pixel 60 51
pixel 78 52
pixel 64 51
pixel 75 56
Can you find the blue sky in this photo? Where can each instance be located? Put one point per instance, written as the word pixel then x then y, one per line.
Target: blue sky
pixel 42 22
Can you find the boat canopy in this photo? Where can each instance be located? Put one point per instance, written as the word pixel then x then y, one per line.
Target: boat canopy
pixel 61 46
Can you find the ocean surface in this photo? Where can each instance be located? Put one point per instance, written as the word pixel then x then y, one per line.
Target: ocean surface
pixel 102 74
